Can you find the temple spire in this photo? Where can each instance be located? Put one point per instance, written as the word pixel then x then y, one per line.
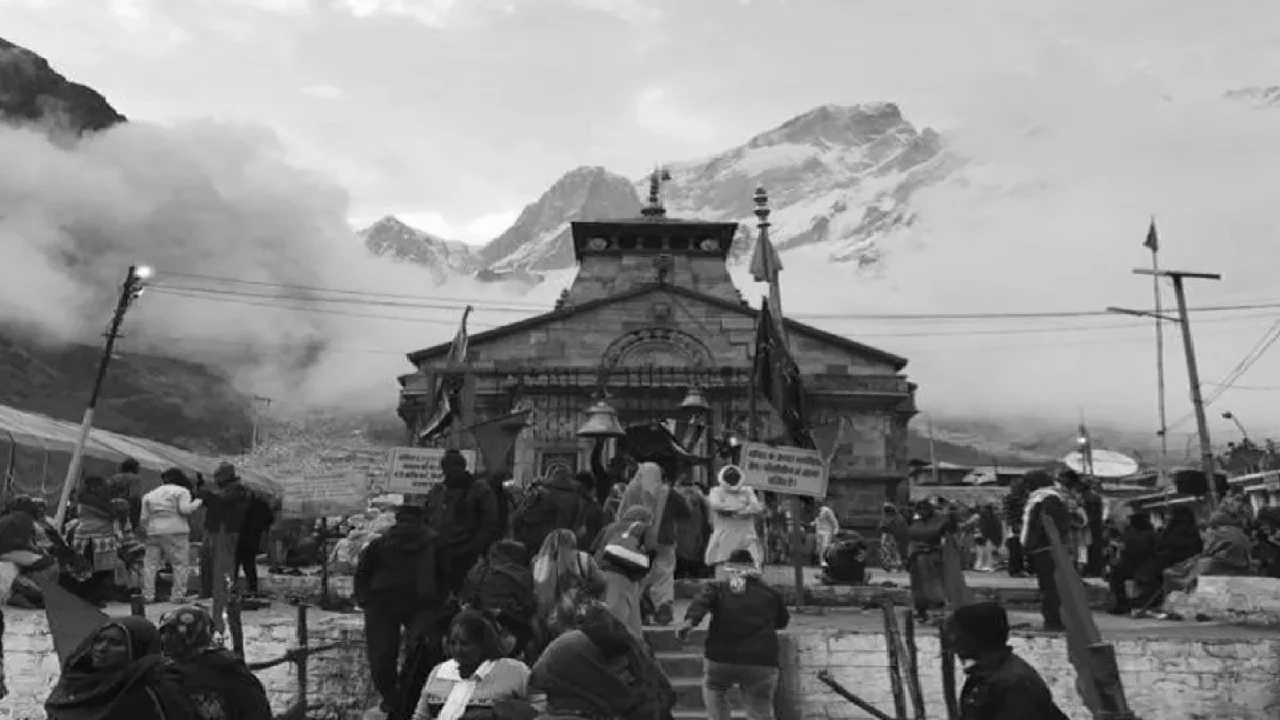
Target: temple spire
pixel 655 208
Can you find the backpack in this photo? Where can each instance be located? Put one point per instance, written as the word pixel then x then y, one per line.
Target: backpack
pixel 540 515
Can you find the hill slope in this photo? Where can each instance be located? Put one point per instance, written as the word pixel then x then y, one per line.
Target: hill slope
pixel 173 401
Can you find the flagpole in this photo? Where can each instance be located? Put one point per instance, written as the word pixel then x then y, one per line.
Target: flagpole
pixel 1153 244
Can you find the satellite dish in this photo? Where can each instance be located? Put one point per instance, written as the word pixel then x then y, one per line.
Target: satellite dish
pixel 1106 464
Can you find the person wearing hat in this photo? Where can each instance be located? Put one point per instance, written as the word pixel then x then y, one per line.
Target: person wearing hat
pixel 394 583
pixel 225 504
pixel 742 643
pixel 998 685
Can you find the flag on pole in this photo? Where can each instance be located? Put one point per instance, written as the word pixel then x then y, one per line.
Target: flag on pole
pixel 778 379
pixel 1152 242
pixel 448 391
pixel 765 268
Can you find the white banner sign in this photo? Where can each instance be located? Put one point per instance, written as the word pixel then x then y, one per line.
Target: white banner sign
pixel 332 494
pixel 787 470
pixel 416 470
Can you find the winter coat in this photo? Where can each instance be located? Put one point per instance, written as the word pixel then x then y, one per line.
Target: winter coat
pixel 166 511
pixel 399 565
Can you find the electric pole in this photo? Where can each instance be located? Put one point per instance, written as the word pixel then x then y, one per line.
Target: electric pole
pixel 260 405
pixel 130 290
pixel 1193 370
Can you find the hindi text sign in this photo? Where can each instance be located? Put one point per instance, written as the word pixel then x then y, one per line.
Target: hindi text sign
pixel 329 494
pixel 416 470
pixel 786 470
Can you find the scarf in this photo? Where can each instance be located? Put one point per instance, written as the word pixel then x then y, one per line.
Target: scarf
pixel 84 692
pixel 463 688
pixel 1074 512
pixel 731 498
pixel 738 576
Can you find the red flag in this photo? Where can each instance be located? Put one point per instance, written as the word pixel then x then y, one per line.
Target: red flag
pixel 1152 242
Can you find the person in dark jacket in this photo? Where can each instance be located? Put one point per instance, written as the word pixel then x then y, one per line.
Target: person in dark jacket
pixel 1137 543
pixel 498 484
pixel 928 530
pixel 126 484
pixel 501 584
pixel 1047 499
pixel 1014 503
pixel 465 513
pixel 258 518
pixel 552 505
pixel 742 643
pixel 394 583
pixel 225 504
pixel 1091 502
pixel 999 684
pixel 1176 543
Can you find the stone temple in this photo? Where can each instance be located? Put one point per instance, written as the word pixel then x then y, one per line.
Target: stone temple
pixel 652 314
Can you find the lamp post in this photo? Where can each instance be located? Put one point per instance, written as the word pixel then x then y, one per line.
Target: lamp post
pixel 130 290
pixel 1244 434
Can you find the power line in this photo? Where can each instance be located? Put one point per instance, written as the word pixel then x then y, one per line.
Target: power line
pixel 319 311
pixel 436 302
pixel 1260 348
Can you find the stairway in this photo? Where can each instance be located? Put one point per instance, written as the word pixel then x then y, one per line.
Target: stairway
pixel 683 663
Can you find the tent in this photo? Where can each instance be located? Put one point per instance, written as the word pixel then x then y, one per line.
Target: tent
pixel 35 451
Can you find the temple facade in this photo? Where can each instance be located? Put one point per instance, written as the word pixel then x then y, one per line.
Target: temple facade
pixel 652 315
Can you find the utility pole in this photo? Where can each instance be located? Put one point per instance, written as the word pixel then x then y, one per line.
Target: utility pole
pixel 260 405
pixel 130 290
pixel 1193 370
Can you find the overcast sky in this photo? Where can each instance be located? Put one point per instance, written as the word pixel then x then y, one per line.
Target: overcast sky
pixel 456 113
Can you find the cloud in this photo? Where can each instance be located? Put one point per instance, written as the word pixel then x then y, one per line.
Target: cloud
pixel 322 92
pixel 659 113
pixel 427 12
pixel 634 11
pixel 221 200
pixel 476 231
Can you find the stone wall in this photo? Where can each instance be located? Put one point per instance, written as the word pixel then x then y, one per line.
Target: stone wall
pixel 1165 678
pixel 1228 598
pixel 338 679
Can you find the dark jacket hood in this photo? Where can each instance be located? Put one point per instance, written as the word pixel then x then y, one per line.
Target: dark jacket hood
pixel 508 552
pixel 563 483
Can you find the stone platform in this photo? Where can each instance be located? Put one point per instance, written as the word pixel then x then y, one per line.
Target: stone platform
pixel 1171 671
pixel 1252 601
pixel 881 586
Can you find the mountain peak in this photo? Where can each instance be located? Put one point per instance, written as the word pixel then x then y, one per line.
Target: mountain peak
pixel 392 237
pixel 32 91
pixel 836 125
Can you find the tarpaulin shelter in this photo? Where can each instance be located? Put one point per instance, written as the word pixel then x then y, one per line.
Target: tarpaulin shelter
pixel 35 451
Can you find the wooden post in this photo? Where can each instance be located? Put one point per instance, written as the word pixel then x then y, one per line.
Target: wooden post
pixel 912 658
pixel 797 548
pixel 893 647
pixel 302 660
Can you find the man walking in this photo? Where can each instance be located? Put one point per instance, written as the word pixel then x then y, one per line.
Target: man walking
pixel 225 503
pixel 465 513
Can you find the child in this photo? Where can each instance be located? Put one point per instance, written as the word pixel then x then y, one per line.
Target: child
pixel 742 644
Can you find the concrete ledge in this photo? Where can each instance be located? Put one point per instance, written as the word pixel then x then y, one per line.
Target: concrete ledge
pixel 1253 601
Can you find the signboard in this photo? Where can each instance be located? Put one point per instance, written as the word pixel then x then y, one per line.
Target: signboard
pixel 416 470
pixel 786 470
pixel 325 495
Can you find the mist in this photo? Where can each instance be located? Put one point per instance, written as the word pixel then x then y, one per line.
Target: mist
pixel 1066 167
pixel 223 201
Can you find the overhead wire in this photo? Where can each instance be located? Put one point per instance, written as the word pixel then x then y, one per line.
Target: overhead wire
pixel 1251 358
pixel 384 299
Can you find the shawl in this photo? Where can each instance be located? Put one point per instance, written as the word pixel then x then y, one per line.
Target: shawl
pixel 1074 511
pixel 578 680
pixel 87 693
pixel 732 498
pixel 647 490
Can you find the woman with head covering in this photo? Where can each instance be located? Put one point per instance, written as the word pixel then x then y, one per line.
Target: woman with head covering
pixel 477 682
pixel 924 559
pixel 622 577
pixel 893 538
pixel 562 574
pixel 98 535
pixel 118 673
pixel 651 490
pixel 597 669
pixel 218 684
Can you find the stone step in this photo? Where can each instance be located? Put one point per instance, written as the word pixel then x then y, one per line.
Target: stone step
pixel 681 664
pixel 678 714
pixel 664 640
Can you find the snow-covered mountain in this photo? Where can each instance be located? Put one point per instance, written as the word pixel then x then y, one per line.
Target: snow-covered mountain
pixel 839 177
pixel 392 238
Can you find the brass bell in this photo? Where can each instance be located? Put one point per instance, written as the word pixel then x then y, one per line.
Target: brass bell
pixel 602 422
pixel 694 403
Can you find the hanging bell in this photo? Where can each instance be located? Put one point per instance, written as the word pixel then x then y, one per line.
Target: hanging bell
pixel 694 403
pixel 602 422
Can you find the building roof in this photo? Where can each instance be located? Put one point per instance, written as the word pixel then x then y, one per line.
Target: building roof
pixel 437 351
pixel 654 235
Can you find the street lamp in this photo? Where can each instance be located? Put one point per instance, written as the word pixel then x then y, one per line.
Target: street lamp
pixel 1228 415
pixel 130 290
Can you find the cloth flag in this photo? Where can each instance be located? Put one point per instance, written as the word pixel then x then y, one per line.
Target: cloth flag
pixel 777 377
pixel 765 267
pixel 448 391
pixel 1152 242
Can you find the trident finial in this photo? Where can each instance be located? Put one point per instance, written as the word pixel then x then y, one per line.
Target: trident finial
pixel 656 179
pixel 762 207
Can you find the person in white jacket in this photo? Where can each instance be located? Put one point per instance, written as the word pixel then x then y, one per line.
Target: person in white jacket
pixel 164 519
pixel 734 508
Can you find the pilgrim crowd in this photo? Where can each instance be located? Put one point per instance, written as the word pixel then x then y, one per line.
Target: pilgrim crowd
pixel 480 605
